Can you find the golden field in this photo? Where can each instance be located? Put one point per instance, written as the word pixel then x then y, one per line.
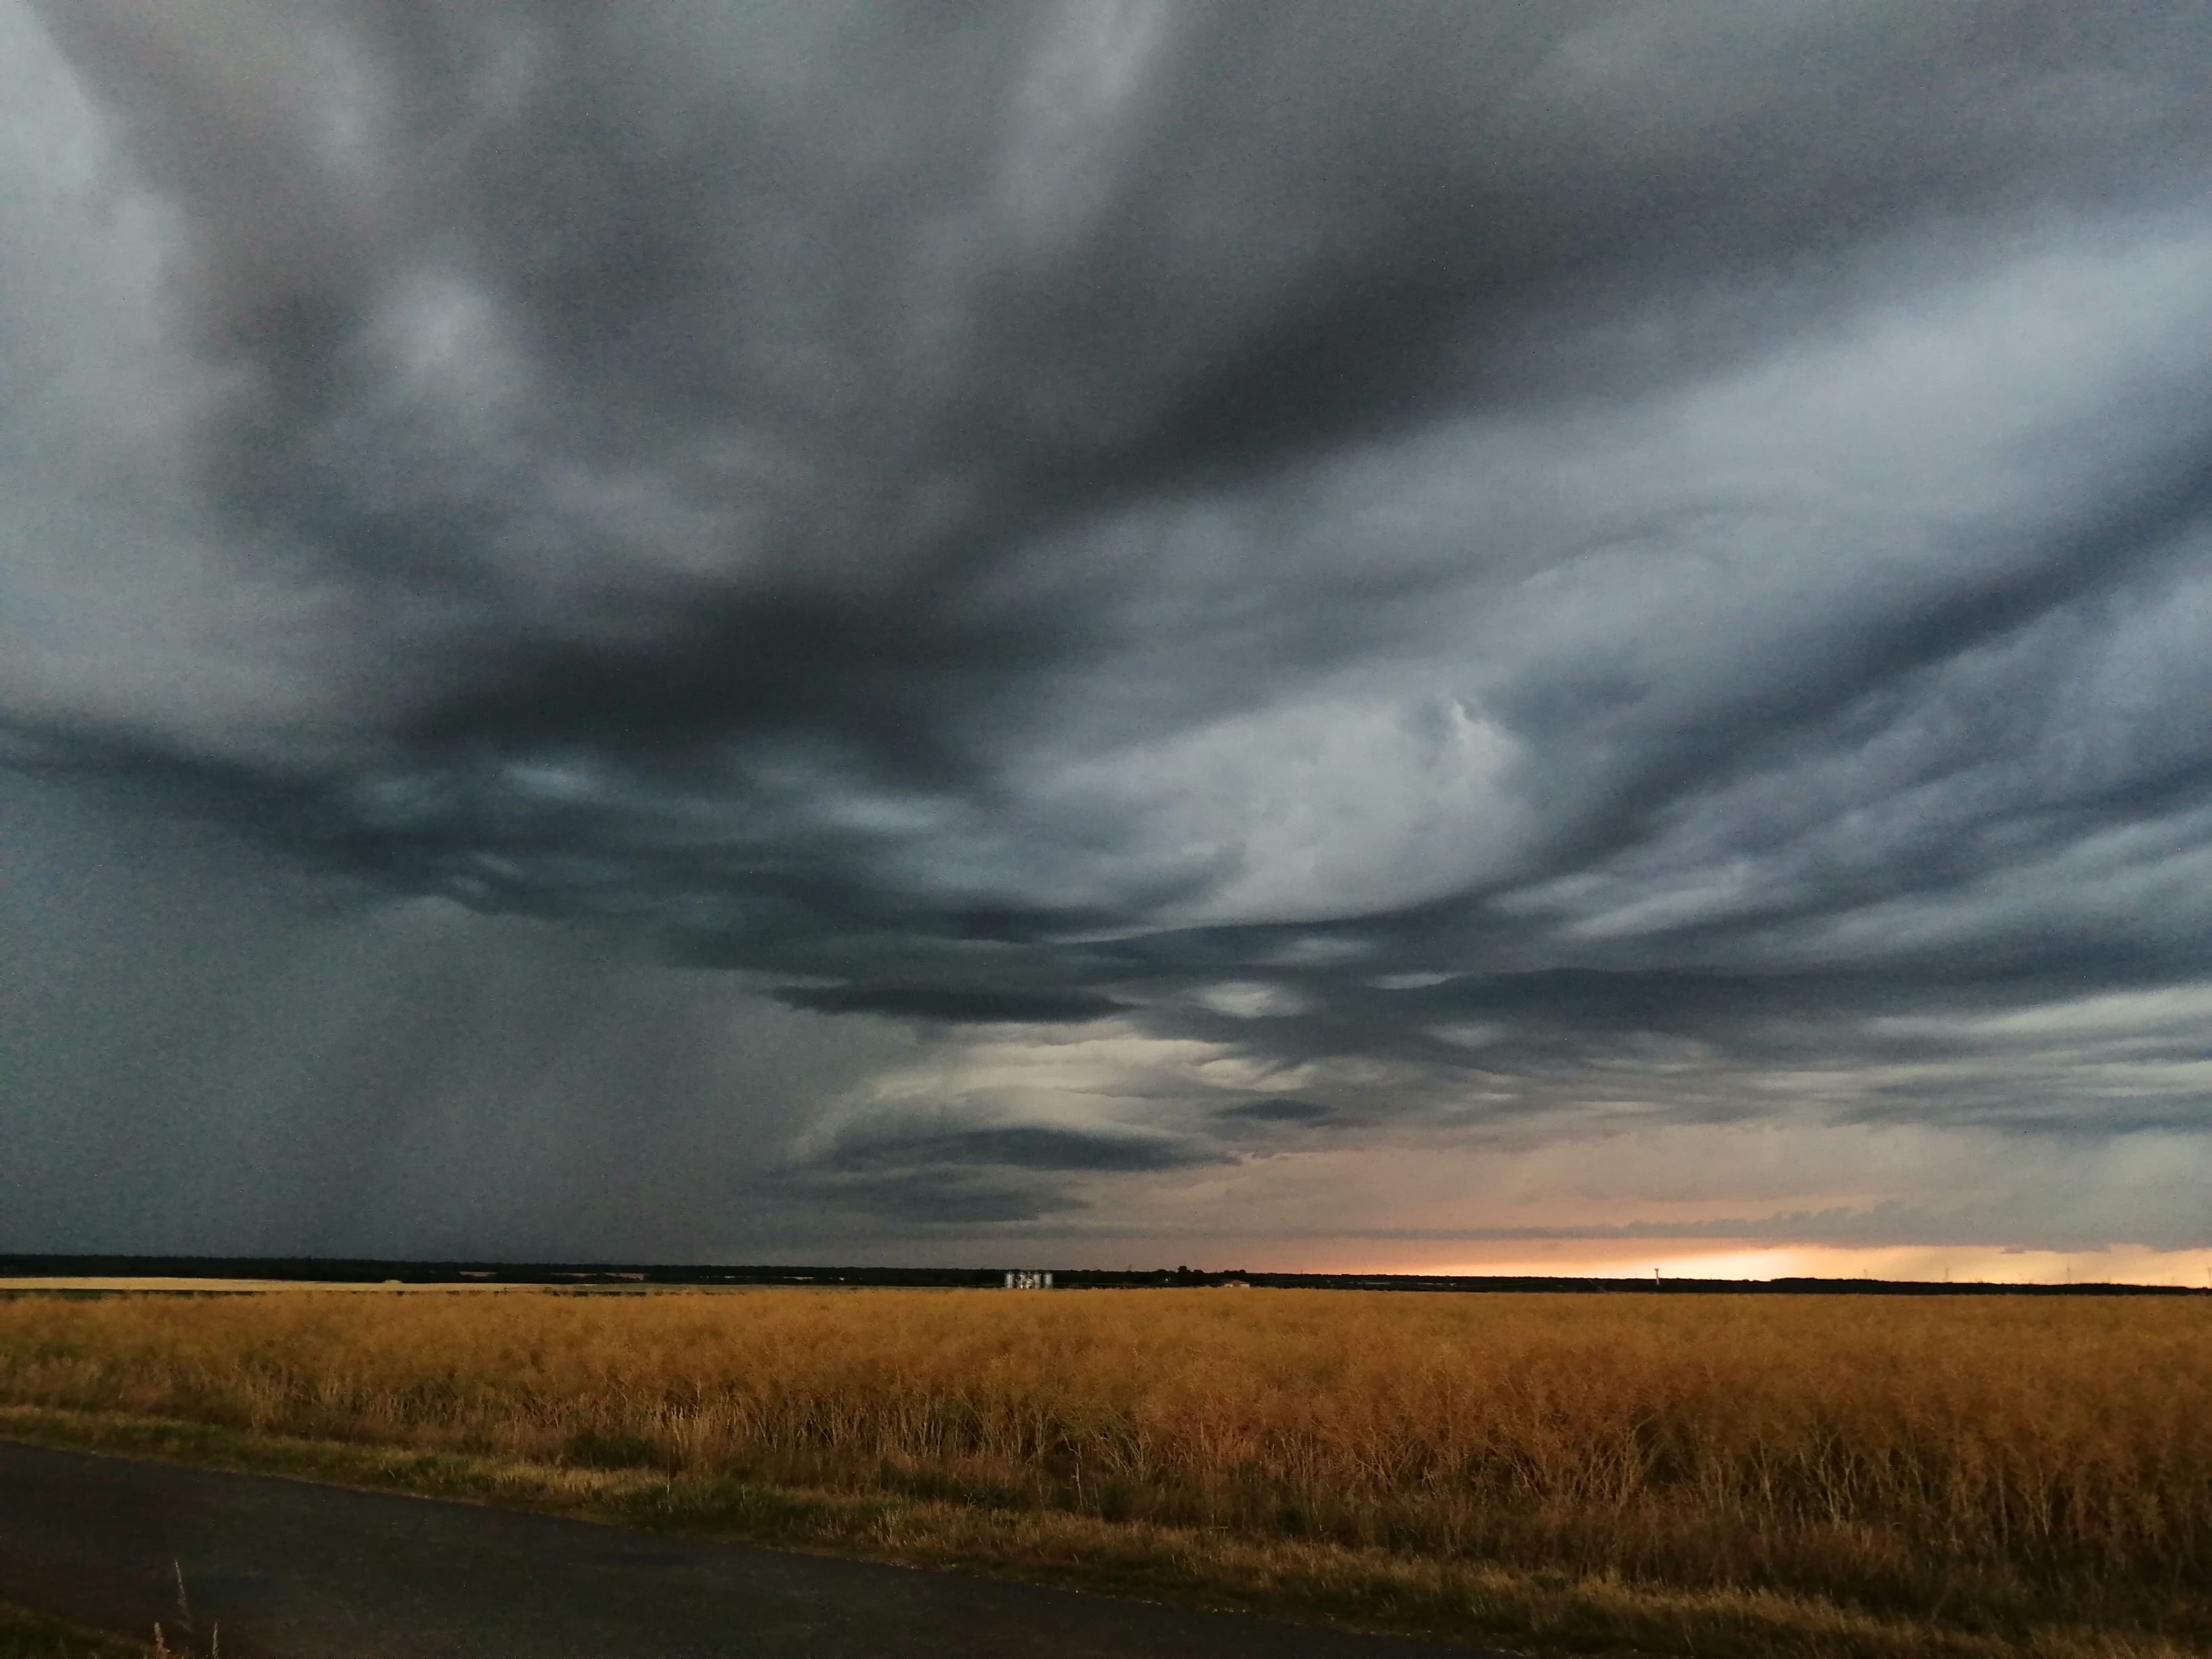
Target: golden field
pixel 1992 1464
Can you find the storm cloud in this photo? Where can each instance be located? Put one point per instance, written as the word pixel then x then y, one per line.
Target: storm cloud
pixel 1347 574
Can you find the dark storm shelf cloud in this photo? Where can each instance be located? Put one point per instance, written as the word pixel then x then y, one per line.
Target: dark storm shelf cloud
pixel 1011 1172
pixel 1022 1146
pixel 1277 1109
pixel 1482 541
pixel 947 1003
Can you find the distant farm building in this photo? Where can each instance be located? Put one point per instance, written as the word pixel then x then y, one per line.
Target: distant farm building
pixel 1028 1279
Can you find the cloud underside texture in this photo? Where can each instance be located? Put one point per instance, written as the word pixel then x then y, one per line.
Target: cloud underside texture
pixel 1443 559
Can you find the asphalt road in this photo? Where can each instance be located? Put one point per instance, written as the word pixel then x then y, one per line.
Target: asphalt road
pixel 292 1569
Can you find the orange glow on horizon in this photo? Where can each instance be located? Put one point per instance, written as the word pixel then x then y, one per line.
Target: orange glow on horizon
pixel 1671 1258
pixel 1731 1259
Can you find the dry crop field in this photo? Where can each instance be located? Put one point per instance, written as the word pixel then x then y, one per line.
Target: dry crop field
pixel 1991 1465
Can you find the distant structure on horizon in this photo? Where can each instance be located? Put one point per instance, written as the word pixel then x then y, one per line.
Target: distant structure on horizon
pixel 1028 1279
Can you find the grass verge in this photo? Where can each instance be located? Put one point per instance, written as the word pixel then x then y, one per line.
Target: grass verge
pixel 1350 1587
pixel 32 1636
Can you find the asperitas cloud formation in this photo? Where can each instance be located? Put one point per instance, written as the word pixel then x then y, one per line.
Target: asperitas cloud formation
pixel 1305 573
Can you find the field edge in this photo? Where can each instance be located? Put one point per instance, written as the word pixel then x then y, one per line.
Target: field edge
pixel 1365 1590
pixel 27 1635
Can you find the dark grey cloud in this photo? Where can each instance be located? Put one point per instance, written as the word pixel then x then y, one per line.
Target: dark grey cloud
pixel 925 1174
pixel 1463 555
pixel 1279 1108
pixel 950 1004
pixel 208 1052
pixel 1019 1146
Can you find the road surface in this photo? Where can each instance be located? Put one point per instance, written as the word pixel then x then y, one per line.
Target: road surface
pixel 292 1570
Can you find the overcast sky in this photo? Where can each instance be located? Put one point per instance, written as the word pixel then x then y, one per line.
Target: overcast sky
pixel 1294 634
